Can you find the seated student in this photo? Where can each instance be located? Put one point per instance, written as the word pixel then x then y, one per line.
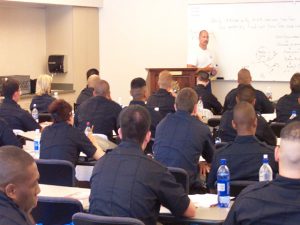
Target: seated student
pixel 288 103
pixel 62 141
pixel 244 155
pixel 163 98
pixel 127 183
pixel 209 100
pixel 181 138
pixel 100 111
pixel 87 92
pixel 262 104
pixel 19 186
pixel 42 98
pixel 11 112
pixel 263 132
pixel 7 136
pixel 276 202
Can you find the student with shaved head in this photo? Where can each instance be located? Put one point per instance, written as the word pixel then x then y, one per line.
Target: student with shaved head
pixel 244 155
pixel 262 104
pixel 87 92
pixel 163 98
pixel 276 202
pixel 18 186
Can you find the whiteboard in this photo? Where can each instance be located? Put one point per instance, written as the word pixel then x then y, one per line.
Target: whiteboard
pixel 262 37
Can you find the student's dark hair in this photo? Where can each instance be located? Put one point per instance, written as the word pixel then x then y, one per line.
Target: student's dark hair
pixel 137 83
pixel 186 99
pixel 13 161
pixel 60 110
pixel 295 83
pixel 91 72
pixel 9 87
pixel 291 131
pixel 203 76
pixel 134 122
pixel 246 93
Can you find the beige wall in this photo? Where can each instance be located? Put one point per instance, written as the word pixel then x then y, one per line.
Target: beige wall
pixel 22 41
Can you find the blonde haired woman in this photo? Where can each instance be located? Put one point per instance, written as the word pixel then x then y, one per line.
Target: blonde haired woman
pixel 42 99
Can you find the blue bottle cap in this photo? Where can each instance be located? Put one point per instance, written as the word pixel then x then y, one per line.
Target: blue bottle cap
pixel 223 161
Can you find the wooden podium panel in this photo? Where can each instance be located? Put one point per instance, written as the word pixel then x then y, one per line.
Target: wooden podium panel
pixel 186 77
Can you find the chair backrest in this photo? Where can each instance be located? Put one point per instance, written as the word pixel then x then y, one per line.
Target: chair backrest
pixel 56 172
pixel 213 122
pixel 277 127
pixel 236 186
pixel 55 211
pixel 220 144
pixel 43 117
pixel 89 219
pixel 181 177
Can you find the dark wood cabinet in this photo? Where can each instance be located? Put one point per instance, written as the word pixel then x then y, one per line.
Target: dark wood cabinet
pixel 185 77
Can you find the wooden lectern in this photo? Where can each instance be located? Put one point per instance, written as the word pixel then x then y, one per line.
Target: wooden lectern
pixel 186 77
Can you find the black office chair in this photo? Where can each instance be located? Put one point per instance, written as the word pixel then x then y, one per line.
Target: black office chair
pixel 236 186
pixel 56 172
pixel 277 127
pixel 56 211
pixel 45 117
pixel 181 177
pixel 214 123
pixel 89 219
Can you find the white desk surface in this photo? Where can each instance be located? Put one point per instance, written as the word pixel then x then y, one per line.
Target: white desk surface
pixel 214 214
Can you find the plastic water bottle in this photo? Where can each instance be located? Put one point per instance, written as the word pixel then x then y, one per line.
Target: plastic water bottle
pixel 223 185
pixel 293 115
pixel 269 93
pixel 35 113
pixel 87 129
pixel 55 95
pixel 265 171
pixel 36 144
pixel 200 106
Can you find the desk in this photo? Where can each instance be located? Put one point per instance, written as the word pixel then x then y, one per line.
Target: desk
pixel 213 215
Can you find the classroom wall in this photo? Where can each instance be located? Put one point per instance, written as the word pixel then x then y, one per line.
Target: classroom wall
pixel 135 35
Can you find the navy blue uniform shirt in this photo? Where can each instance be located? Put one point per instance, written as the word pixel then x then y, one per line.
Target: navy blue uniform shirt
pixel 101 112
pixel 244 158
pixel 16 117
pixel 263 131
pixel 85 94
pixel 267 203
pixel 262 103
pixel 285 105
pixel 42 102
pixel 64 142
pixel 162 99
pixel 7 137
pixel 179 142
pixel 209 100
pixel 125 182
pixel 10 213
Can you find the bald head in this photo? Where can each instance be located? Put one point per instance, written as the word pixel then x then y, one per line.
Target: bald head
pixel 13 164
pixel 288 155
pixel 244 119
pixel 244 76
pixel 165 80
pixel 102 89
pixel 92 81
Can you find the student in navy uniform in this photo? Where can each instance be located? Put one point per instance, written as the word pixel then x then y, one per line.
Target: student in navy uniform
pixel 42 97
pixel 263 132
pixel 100 111
pixel 11 112
pixel 244 155
pixel 87 92
pixel 127 183
pixel 18 186
pixel 262 104
pixel 62 141
pixel 287 103
pixel 181 138
pixel 7 136
pixel 208 99
pixel 163 98
pixel 276 202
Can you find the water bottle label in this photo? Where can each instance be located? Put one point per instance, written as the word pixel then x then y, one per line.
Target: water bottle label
pixel 221 187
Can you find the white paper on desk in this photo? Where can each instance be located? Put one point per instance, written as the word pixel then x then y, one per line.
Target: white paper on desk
pixel 204 200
